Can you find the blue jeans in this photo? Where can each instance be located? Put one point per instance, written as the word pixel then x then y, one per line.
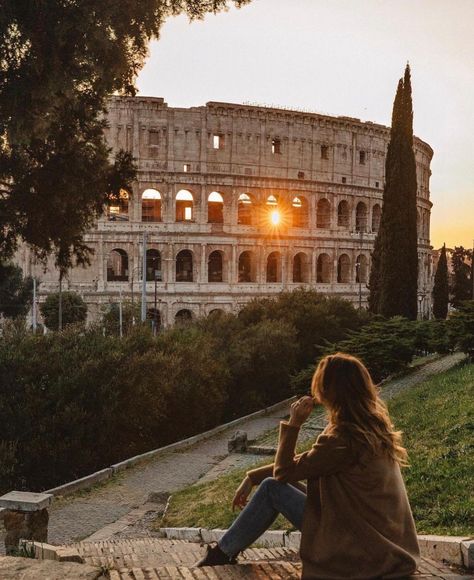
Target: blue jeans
pixel 271 498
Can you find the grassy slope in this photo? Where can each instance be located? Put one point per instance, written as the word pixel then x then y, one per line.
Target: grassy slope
pixel 437 418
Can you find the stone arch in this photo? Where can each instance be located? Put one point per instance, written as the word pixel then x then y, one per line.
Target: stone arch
pixel 343 214
pixel 117 266
pixel 118 209
pixel 361 269
pixel 376 217
pixel 184 206
pixel 215 266
pixel 323 269
pixel 184 266
pixel 183 316
pixel 246 267
pixel 273 267
pixel 245 209
pixel 299 212
pixel 153 265
pixel 215 208
pixel 151 205
pixel 418 223
pixel 344 269
pixel 300 268
pixel 361 217
pixel 323 214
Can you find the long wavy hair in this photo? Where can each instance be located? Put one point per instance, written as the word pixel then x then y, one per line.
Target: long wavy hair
pixel 344 386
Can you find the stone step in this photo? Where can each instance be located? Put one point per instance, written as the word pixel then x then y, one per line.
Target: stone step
pixel 156 552
pixel 157 558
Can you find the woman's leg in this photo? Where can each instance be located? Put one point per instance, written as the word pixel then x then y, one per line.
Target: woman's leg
pixel 271 498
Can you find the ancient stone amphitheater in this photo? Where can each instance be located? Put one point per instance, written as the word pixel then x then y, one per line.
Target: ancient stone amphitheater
pixel 238 201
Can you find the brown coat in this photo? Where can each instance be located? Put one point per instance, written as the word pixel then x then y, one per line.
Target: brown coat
pixel 357 521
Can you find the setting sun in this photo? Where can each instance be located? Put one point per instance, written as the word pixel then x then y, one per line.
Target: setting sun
pixel 275 217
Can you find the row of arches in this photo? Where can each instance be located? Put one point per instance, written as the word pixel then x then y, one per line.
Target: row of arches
pixel 117 267
pixel 294 213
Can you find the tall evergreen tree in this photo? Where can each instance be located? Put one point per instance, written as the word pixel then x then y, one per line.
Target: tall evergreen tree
pixel 394 275
pixel 461 288
pixel 441 287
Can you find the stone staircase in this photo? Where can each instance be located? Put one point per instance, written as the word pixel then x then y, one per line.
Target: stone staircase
pixel 156 559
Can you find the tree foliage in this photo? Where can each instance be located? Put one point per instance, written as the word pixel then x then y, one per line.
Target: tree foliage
pixel 441 287
pixel 462 283
pixel 16 292
pixel 73 308
pixel 59 63
pixel 394 273
pixel 461 325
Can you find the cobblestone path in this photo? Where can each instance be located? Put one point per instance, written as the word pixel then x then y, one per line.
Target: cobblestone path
pixel 78 516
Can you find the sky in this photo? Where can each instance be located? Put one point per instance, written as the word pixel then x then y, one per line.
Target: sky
pixel 339 57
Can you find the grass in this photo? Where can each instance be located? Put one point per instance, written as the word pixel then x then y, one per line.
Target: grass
pixel 437 418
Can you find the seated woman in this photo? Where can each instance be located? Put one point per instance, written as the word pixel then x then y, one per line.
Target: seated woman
pixel 355 518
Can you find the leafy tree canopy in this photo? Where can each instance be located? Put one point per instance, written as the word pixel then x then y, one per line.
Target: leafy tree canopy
pixel 73 308
pixel 461 286
pixel 441 287
pixel 16 292
pixel 59 62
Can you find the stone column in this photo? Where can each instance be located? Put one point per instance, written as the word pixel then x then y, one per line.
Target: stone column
pixel 26 517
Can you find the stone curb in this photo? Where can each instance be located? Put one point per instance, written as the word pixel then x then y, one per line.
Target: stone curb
pixel 104 474
pixel 457 550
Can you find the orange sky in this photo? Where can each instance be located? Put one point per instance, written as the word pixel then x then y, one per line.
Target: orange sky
pixel 341 58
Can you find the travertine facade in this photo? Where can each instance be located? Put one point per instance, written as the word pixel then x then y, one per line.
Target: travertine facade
pixel 321 178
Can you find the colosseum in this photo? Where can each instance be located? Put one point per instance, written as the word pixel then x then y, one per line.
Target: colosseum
pixel 234 202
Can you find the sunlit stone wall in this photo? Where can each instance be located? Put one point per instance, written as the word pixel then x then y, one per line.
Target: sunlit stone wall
pixel 323 176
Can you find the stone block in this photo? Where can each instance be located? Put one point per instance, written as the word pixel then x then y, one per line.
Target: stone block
pixel 293 540
pixel 238 442
pixel 271 539
pixel 467 553
pixel 439 548
pixel 24 525
pixel 25 501
pixel 188 534
pixel 209 536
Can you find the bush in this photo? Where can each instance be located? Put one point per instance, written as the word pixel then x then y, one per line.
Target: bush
pixel 461 326
pixel 73 307
pixel 131 316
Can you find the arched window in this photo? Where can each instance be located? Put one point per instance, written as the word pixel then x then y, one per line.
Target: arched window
pixel 323 214
pixel 216 312
pixel 151 205
pixel 244 210
pixel 361 268
pixel 344 269
pixel 272 201
pixel 418 223
pixel 343 214
pixel 300 268
pixel 299 207
pixel 153 265
pixel 323 269
pixel 184 206
pixel 214 272
pixel 426 225
pixel 376 216
pixel 274 267
pixel 184 266
pixel 118 208
pixel 361 217
pixel 246 267
pixel 117 266
pixel 155 317
pixel 183 316
pixel 215 208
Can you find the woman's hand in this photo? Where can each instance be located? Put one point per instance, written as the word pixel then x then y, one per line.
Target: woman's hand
pixel 300 410
pixel 242 493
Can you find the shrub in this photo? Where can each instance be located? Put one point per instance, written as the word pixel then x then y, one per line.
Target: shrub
pixel 461 325
pixel 73 307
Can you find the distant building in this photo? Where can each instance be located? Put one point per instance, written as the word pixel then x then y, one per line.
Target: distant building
pixel 238 202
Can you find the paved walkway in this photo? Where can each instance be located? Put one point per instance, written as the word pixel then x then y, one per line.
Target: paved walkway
pixel 78 516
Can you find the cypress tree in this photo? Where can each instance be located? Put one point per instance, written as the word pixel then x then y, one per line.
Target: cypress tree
pixel 441 287
pixel 394 276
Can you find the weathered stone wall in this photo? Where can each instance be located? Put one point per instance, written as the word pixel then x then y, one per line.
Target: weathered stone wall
pixel 261 152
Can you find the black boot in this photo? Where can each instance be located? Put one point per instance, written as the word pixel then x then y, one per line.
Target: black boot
pixel 215 557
